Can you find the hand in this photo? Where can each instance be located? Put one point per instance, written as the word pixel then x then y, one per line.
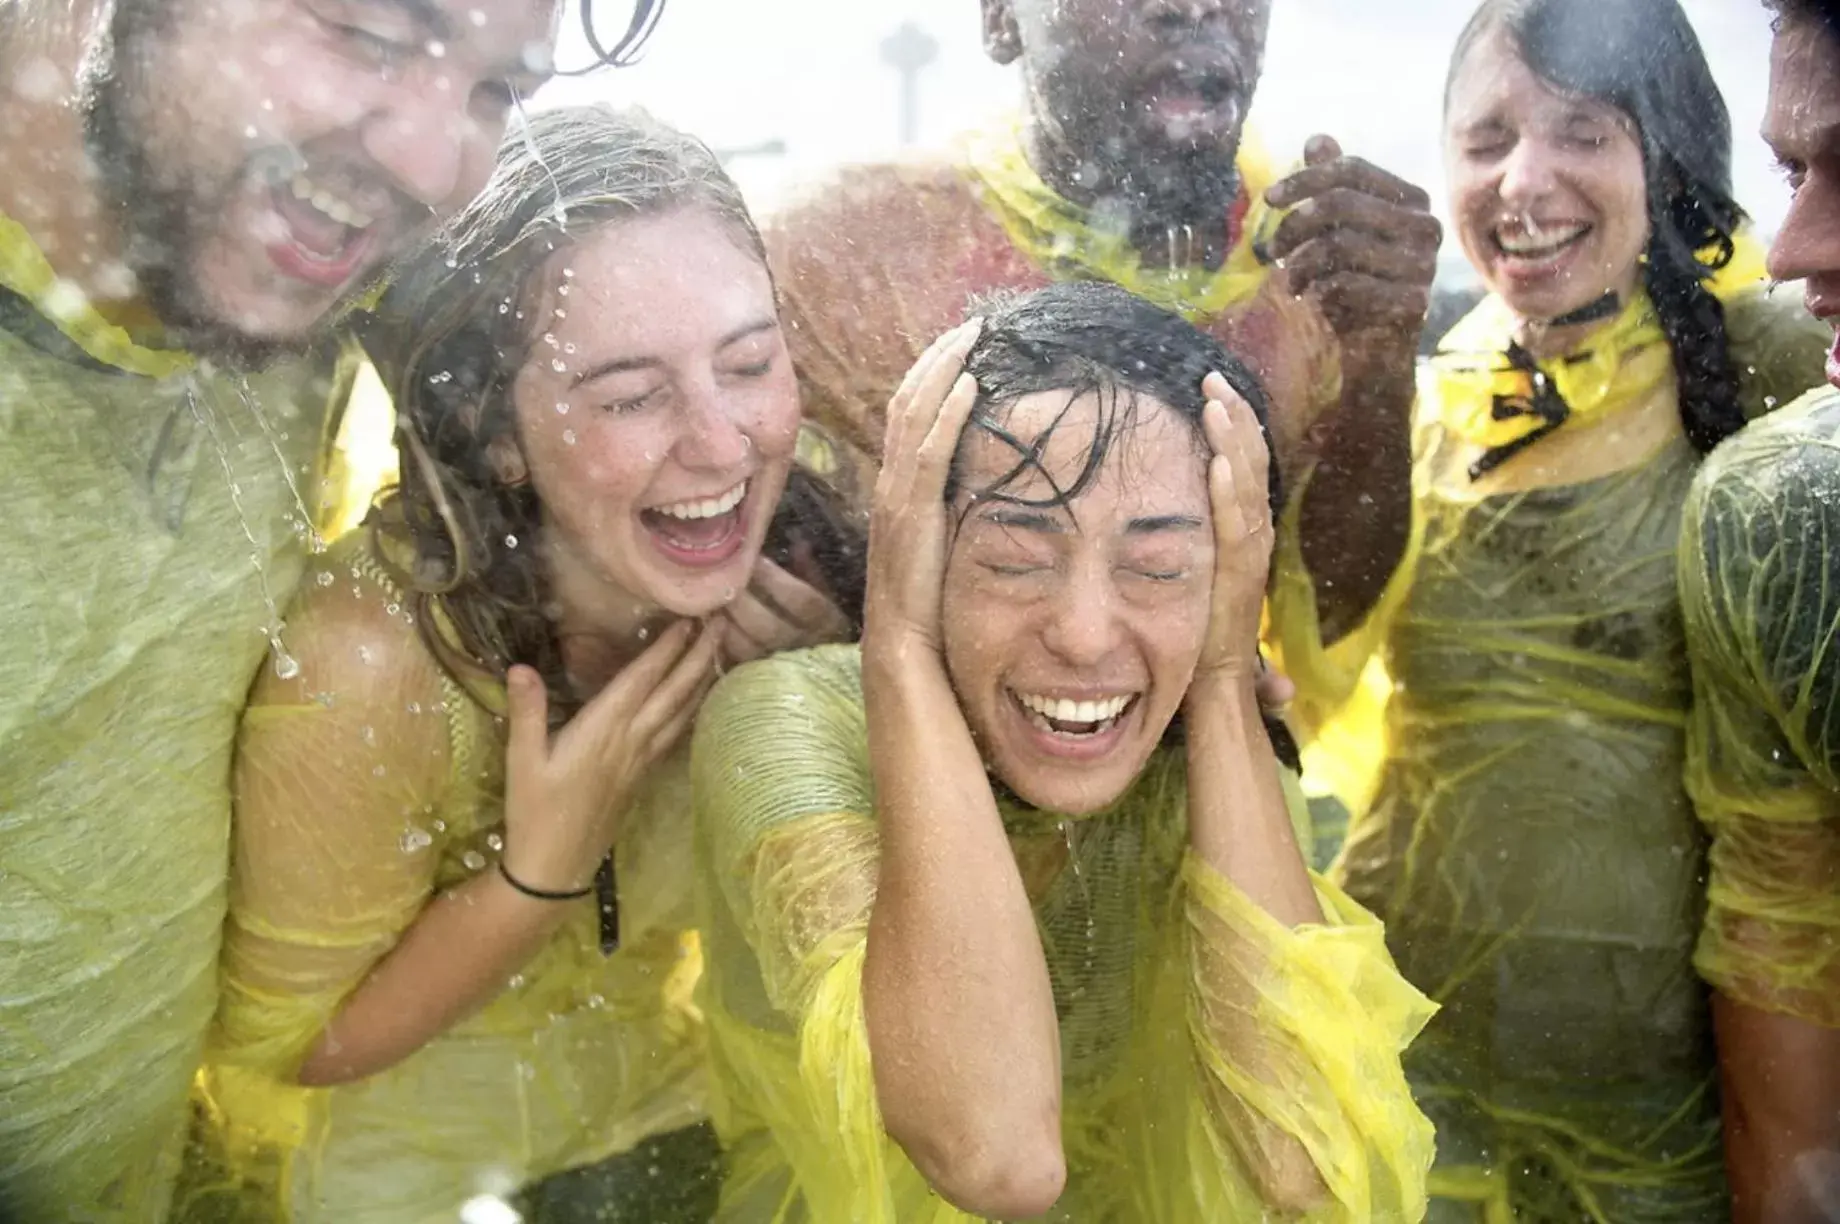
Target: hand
pixel 778 611
pixel 1240 500
pixel 565 794
pixel 908 532
pixel 1362 244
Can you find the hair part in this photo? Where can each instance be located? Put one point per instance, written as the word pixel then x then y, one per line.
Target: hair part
pixel 1090 338
pixel 1643 58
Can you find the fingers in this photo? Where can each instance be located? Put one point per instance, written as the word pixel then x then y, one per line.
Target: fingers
pixel 1360 175
pixel 1274 689
pixel 1238 475
pixel 797 601
pixel 1352 302
pixel 527 712
pixel 1376 222
pixel 680 692
pixel 1321 148
pixel 911 410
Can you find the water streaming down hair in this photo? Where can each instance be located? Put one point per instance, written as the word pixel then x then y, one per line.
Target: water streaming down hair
pixel 1643 58
pixel 1086 338
pixel 459 324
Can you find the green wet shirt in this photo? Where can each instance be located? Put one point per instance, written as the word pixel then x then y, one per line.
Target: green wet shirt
pixel 153 531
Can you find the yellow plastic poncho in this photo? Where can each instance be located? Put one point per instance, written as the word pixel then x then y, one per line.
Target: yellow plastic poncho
pixel 1508 731
pixel 1154 958
pixel 1760 590
pixel 158 515
pixel 373 784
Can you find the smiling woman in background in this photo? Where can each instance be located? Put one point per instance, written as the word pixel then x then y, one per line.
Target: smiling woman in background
pixel 1513 756
pixel 459 955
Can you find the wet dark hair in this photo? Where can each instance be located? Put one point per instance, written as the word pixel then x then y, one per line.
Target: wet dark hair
pixel 1086 338
pixel 449 339
pixel 1643 58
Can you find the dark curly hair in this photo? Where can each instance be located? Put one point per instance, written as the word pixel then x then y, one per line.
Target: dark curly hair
pixel 449 339
pixel 1643 58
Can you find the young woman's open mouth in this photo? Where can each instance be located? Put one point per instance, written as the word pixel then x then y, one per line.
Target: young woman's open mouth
pixel 328 237
pixel 1528 248
pixel 1080 728
pixel 701 532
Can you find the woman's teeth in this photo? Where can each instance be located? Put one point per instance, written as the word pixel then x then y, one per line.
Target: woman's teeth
pixel 1531 240
pixel 334 206
pixel 1064 717
pixel 708 507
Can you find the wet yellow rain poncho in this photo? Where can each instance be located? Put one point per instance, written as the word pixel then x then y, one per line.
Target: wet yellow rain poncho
pixel 1508 731
pixel 1760 590
pixel 1154 958
pixel 158 516
pixel 374 784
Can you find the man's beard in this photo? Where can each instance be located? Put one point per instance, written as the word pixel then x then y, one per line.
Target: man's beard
pixel 160 219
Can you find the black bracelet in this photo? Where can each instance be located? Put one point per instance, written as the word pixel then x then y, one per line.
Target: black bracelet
pixel 542 894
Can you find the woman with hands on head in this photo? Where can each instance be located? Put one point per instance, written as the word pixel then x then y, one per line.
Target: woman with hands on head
pixel 1004 910
pixel 459 955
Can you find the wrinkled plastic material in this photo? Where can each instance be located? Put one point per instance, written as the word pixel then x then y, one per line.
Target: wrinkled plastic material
pixel 356 805
pixel 1509 731
pixel 1760 591
pixel 1196 1031
pixel 160 515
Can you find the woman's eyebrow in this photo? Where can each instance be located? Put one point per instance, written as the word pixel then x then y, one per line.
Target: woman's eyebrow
pixel 1023 518
pixel 1164 522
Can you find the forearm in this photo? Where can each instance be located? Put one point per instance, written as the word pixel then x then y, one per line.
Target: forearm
pixel 1781 1090
pixel 1357 506
pixel 1238 822
pixel 960 1013
pixel 455 958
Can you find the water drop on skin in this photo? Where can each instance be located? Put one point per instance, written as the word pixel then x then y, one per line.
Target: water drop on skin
pixel 511 541
pixel 286 665
pixel 559 365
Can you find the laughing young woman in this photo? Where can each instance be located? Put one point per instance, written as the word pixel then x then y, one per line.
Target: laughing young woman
pixel 459 955
pixel 1004 911
pixel 1522 827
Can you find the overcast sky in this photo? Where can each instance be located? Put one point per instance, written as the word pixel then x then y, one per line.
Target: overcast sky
pixel 809 73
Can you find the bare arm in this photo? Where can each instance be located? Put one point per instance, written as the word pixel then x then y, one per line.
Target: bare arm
pixel 1362 244
pixel 960 1012
pixel 1780 1077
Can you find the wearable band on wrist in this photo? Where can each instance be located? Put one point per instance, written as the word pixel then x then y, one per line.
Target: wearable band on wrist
pixel 542 894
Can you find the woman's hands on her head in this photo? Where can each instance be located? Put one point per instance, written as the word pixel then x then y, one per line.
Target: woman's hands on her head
pixel 1239 497
pixel 565 793
pixel 909 524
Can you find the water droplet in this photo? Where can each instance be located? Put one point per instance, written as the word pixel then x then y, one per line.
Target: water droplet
pixel 414 707
pixel 391 609
pixel 436 49
pixel 511 541
pixel 286 665
pixel 562 408
pixel 516 982
pixel 251 133
pixel 568 274
pixel 414 839
pixel 568 437
pixel 644 633
pixel 562 290
pixel 477 17
pixel 440 826
pixel 472 860
pixel 569 348
pixel 559 365
pixel 494 841
pixel 364 655
pixel 378 771
pixel 369 735
pixel 549 338
pixel 324 578
pixel 504 308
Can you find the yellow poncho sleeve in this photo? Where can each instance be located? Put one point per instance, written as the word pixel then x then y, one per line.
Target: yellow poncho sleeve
pixel 1292 1037
pixel 1760 591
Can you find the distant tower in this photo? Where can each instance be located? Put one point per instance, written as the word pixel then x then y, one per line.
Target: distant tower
pixel 907 51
